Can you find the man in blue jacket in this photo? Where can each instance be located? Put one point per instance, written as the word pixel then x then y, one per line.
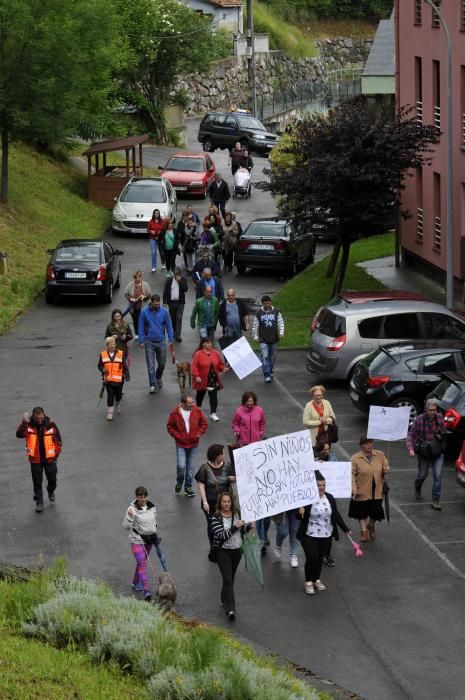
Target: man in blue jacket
pixel 154 324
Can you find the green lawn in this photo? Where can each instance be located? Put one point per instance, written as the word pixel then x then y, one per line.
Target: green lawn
pixel 47 203
pixel 300 298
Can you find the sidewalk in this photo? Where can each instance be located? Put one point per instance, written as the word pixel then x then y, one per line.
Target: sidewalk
pixel 408 279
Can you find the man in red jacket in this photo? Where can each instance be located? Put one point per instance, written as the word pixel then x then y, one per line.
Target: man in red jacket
pixel 43 446
pixel 186 423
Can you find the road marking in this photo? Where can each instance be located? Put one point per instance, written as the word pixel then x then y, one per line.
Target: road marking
pixel 427 503
pixel 345 457
pixel 451 542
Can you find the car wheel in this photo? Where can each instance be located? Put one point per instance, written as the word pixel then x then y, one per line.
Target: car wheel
pixel 241 268
pixel 208 145
pixel 108 296
pixel 49 298
pixel 407 401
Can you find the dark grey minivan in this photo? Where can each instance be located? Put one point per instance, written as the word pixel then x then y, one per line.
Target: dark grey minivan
pixel 356 323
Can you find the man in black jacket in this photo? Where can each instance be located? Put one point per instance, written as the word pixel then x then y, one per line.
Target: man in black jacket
pixel 219 193
pixel 174 298
pixel 233 315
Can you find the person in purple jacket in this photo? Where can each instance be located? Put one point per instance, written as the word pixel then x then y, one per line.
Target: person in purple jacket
pixel 249 422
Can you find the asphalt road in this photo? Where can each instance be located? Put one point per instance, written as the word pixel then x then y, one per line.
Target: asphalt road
pixel 390 625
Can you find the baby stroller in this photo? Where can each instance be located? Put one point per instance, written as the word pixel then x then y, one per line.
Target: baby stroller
pixel 242 184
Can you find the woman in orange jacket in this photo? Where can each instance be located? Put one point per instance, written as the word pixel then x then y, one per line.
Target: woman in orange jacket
pixel 207 368
pixel 112 364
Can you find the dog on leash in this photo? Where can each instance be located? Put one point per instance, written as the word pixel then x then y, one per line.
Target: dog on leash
pixel 166 591
pixel 184 374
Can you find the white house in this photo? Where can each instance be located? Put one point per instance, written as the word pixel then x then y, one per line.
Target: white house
pixel 227 14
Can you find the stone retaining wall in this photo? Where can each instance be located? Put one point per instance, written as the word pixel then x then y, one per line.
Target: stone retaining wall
pixel 226 85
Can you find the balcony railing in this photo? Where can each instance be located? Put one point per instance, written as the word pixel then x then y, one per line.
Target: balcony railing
pixel 463 129
pixel 437 233
pixel 420 222
pixel 437 117
pixel 419 109
pixel 417 12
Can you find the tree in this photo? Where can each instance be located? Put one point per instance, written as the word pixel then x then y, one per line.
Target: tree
pixel 166 38
pixel 56 63
pixel 347 171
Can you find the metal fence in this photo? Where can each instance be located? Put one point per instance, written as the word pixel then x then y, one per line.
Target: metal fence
pixel 335 87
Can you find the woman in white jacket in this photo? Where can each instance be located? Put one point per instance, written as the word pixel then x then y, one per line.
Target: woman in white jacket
pixel 318 413
pixel 141 521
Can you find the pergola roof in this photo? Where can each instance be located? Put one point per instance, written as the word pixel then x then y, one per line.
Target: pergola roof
pixel 115 145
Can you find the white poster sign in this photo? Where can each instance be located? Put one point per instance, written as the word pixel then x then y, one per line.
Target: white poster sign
pixel 242 358
pixel 338 477
pixel 388 423
pixel 275 475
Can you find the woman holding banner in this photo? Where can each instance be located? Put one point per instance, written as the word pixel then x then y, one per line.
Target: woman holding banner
pixel 319 523
pixel 369 467
pixel 227 528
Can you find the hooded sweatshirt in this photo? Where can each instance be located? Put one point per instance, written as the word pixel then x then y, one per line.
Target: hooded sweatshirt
pixel 144 520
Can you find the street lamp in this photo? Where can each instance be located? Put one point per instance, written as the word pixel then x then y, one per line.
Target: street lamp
pixel 450 182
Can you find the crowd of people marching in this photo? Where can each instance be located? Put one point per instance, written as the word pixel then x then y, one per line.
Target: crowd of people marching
pixel 207 247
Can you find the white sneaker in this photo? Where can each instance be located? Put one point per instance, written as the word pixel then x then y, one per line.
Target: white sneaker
pixel 214 417
pixel 294 561
pixel 153 389
pixel 277 552
pixel 154 269
pixel 319 586
pixel 163 267
pixel 309 590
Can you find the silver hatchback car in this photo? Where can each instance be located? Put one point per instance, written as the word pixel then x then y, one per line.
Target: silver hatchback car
pixel 356 323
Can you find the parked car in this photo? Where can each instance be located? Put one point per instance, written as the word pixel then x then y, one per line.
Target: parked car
pixel 403 374
pixel 225 129
pixel 274 244
pixel 83 267
pixel 137 200
pixel 460 467
pixel 353 324
pixel 450 393
pixel 190 173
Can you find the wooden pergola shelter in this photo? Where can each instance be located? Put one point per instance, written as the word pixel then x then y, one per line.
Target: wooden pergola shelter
pixel 105 182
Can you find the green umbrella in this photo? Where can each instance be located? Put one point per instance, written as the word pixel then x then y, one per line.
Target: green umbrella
pixel 251 549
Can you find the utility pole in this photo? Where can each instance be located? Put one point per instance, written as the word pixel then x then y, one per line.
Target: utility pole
pixel 251 59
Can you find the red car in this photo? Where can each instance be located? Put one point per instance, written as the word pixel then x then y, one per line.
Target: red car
pixel 190 173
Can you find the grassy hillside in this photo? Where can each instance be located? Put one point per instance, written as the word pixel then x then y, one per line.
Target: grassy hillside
pixel 47 203
pixel 297 36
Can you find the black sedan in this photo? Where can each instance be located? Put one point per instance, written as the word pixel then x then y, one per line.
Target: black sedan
pixel 450 393
pixel 274 244
pixel 84 268
pixel 403 374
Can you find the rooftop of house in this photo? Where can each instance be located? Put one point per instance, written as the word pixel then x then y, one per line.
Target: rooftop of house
pixel 381 59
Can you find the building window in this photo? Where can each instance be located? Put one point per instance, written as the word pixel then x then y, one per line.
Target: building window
pixel 417 12
pixel 419 202
pixel 435 21
pixel 437 94
pixel 462 15
pixel 419 89
pixel 437 221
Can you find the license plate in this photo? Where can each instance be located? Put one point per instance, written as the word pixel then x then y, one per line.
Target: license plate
pixel 75 275
pixel 136 230
pixel 261 246
pixel 353 395
pixel 181 189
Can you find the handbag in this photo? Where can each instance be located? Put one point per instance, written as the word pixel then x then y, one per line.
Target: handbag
pixel 213 554
pixel 212 380
pixel 150 538
pixel 333 432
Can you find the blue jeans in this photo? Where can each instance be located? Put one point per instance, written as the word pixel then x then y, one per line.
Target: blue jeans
pixel 262 528
pixel 155 356
pixel 423 468
pixel 289 525
pixel 153 250
pixel 185 457
pixel 268 353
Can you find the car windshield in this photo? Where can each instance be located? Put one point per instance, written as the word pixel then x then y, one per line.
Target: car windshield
pixel 447 391
pixel 77 253
pixel 144 193
pixel 265 229
pixel 195 165
pixel 250 123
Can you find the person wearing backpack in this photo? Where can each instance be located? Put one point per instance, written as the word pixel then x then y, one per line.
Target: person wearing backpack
pixel 426 439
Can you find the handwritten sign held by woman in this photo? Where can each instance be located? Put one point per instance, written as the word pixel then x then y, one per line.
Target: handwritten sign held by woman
pixel 275 475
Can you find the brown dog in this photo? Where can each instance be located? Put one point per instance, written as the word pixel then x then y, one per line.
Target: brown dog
pixel 166 591
pixel 184 374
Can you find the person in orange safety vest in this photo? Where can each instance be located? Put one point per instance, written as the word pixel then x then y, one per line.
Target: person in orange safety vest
pixel 112 365
pixel 43 446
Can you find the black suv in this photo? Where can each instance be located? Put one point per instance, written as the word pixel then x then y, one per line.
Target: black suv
pixel 403 374
pixel 225 129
